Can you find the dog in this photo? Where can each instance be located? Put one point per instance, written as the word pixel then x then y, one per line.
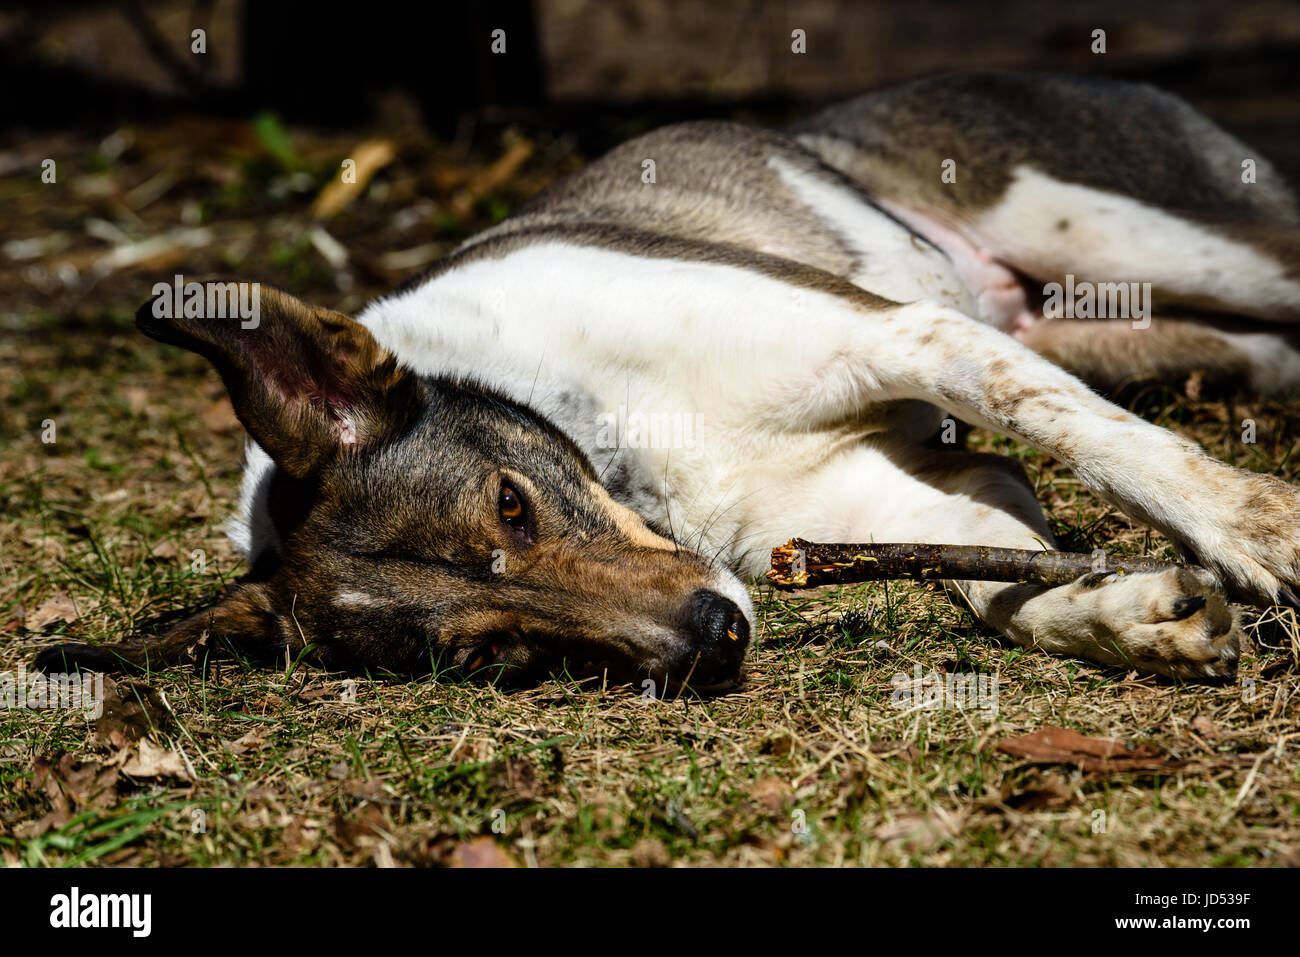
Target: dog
pixel 463 477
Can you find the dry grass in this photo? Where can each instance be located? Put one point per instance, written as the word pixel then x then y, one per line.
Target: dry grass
pixel 811 762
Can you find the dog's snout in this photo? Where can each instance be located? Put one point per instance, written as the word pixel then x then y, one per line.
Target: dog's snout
pixel 721 634
pixel 717 620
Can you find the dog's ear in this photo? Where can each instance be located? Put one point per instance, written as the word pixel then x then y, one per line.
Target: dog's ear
pixel 245 619
pixel 307 383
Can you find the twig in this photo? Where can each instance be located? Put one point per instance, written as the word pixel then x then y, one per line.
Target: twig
pixel 803 564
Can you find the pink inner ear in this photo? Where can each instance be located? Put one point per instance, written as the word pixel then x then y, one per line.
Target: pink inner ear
pixel 301 377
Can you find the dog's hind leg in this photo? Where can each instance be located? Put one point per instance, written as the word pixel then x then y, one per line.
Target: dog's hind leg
pixel 1173 623
pixel 1106 181
pixel 1262 359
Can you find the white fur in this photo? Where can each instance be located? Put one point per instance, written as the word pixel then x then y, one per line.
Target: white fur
pixel 250 528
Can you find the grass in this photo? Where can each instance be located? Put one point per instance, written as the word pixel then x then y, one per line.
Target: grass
pixel 811 762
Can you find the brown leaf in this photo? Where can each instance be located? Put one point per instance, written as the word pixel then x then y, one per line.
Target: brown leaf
pixel 516 777
pixel 361 832
pixel 327 694
pixel 18 621
pixel 1052 791
pixel 131 710
pixel 152 761
pixel 779 745
pixel 481 852
pixel 1063 746
pixel 71 785
pixel 362 788
pixel 165 549
pixel 59 608
pixel 252 741
pixel 920 832
pixel 1205 727
pixel 137 398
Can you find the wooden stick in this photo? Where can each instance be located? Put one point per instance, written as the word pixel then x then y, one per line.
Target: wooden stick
pixel 802 564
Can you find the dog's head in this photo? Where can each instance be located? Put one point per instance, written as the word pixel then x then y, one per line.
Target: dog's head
pixel 425 522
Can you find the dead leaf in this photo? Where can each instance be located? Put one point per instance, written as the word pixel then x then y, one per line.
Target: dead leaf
pixel 59 608
pixel 300 835
pixel 920 832
pixel 71 785
pixel 1050 792
pixel 137 398
pixel 165 549
pixel 778 745
pixel 516 777
pixel 253 741
pixel 1063 746
pixel 152 761
pixel 370 790
pixel 363 831
pixel 481 852
pixel 18 621
pixel 326 694
pixel 131 710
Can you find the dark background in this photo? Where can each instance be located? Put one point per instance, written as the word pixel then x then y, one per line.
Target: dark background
pixel 595 65
pixel 217 163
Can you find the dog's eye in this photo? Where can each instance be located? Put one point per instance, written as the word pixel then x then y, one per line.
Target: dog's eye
pixel 511 507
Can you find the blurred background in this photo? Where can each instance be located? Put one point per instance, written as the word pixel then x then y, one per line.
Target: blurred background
pixel 210 134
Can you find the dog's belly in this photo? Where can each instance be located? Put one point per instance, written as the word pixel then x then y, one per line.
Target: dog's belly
pixel 892 260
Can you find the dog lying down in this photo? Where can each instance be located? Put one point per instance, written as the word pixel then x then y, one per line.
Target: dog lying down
pixel 459 478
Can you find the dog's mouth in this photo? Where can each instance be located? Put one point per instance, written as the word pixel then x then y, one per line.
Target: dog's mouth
pixel 498 653
pixel 517 659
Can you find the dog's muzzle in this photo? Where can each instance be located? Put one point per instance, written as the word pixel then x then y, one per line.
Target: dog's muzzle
pixel 719 634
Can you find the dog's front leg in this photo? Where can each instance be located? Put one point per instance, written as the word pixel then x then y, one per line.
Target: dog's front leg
pixel 1172 622
pixel 1243 526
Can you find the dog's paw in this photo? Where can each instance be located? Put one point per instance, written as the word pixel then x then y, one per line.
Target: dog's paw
pixel 1175 623
pixel 1249 537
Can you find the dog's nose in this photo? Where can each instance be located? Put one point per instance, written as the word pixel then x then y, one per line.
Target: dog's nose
pixel 721 634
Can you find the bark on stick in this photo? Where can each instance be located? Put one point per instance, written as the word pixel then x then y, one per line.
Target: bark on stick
pixel 803 564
